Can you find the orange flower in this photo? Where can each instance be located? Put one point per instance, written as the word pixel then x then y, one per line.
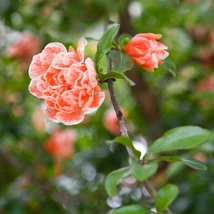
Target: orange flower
pixel 111 122
pixel 66 81
pixel 60 144
pixel 25 47
pixel 146 51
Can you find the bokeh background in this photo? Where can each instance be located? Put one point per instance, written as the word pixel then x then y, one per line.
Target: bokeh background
pixel 36 174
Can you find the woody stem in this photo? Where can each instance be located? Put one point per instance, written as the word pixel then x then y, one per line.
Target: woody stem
pixel 123 129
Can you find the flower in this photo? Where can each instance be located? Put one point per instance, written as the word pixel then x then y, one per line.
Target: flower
pixel 146 51
pixel 111 122
pixel 60 144
pixel 66 82
pixel 26 46
pixel 206 84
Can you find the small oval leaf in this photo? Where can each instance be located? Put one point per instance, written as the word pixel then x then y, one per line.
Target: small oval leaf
pixel 142 172
pixel 165 196
pixel 185 137
pixel 194 164
pixel 113 178
pixel 126 141
pixel 131 209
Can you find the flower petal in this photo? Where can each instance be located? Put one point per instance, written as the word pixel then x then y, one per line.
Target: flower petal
pixel 98 100
pixel 81 47
pixel 35 68
pixel 33 89
pixel 72 118
pixel 91 72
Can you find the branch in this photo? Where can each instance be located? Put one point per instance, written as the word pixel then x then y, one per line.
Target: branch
pixel 123 129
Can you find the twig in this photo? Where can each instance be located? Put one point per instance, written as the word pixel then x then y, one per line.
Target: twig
pixel 123 129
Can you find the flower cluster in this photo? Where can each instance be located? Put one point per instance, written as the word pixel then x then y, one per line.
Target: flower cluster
pixel 66 81
pixel 25 47
pixel 146 51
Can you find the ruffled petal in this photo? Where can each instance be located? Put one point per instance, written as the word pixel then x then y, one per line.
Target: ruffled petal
pixel 35 68
pixel 97 101
pixel 91 72
pixel 33 89
pixel 54 48
pixel 81 47
pixel 72 118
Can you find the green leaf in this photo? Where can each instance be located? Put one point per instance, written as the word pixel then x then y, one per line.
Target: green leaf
pixel 142 172
pixel 169 158
pixel 123 39
pixel 126 141
pixel 185 137
pixel 90 39
pixel 105 43
pixel 131 209
pixel 120 61
pixel 170 66
pixel 116 75
pixel 165 196
pixel 174 169
pixel 194 164
pixel 113 178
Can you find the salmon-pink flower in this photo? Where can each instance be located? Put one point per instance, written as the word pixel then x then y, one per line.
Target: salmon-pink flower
pixel 146 51
pixel 111 122
pixel 60 144
pixel 66 82
pixel 206 84
pixel 25 48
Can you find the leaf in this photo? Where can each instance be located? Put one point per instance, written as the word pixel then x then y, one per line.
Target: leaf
pixel 113 178
pixel 120 61
pixel 132 209
pixel 105 43
pixel 194 164
pixel 170 66
pixel 165 196
pixel 123 39
pixel 185 137
pixel 116 75
pixel 174 169
pixel 126 142
pixel 142 172
pixel 169 158
pixel 90 39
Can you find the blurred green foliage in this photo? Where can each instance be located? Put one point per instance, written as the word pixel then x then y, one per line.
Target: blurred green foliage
pixel 28 183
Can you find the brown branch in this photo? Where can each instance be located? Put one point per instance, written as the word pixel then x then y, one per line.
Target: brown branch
pixel 147 100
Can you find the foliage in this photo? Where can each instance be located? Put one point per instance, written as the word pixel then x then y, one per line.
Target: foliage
pixel 174 108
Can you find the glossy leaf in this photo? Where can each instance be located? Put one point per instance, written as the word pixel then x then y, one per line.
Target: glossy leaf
pixel 113 178
pixel 185 137
pixel 142 172
pixel 165 196
pixel 120 61
pixel 195 164
pixel 105 43
pixel 131 209
pixel 126 142
pixel 115 75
